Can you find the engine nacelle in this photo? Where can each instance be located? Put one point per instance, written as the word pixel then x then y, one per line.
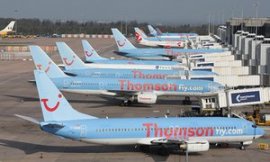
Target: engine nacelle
pixel 195 146
pixel 147 98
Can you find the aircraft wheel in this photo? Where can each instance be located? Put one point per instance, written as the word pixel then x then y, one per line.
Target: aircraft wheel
pixel 125 103
pixel 122 103
pixel 129 103
pixel 242 147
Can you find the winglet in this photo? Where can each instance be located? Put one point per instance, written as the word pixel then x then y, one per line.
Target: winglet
pixel 54 105
pixel 121 41
pixel 90 53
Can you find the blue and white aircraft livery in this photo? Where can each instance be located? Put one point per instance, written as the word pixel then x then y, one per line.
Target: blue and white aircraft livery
pixel 126 48
pixel 160 38
pixel 43 61
pixel 92 56
pixel 192 134
pixel 144 90
pixel 70 59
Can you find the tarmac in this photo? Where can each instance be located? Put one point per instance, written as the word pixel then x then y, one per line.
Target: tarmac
pixel 24 141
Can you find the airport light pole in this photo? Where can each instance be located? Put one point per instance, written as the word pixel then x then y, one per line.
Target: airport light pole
pixel 16 19
pixel 126 29
pixel 187 153
pixel 223 22
pixel 256 4
pixel 209 25
pixel 226 89
pixel 213 23
pixel 242 23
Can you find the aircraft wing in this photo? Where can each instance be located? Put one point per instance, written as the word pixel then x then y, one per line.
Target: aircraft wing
pixel 188 145
pixel 157 141
pixel 123 93
pixel 168 141
pixel 171 57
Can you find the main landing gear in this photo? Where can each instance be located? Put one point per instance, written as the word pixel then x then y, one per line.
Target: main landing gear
pixel 161 150
pixel 125 103
pixel 242 146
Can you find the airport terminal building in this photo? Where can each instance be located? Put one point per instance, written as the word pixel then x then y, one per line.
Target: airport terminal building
pixel 252 49
pixel 246 24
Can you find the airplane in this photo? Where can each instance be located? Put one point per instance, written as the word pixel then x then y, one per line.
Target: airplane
pixel 158 38
pixel 41 59
pixel 70 59
pixel 142 39
pixel 8 29
pixel 127 49
pixel 190 134
pixel 157 33
pixel 93 57
pixel 130 89
pixel 191 40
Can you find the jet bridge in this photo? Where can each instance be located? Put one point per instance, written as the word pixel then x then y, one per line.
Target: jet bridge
pixel 235 98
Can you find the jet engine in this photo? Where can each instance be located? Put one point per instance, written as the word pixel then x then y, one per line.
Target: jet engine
pixel 195 146
pixel 147 98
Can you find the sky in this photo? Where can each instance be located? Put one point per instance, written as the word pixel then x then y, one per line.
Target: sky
pixel 150 11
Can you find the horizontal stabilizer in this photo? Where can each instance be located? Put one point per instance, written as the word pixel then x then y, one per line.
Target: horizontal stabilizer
pixel 28 118
pixel 32 81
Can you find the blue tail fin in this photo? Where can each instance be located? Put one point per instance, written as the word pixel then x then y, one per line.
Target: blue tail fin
pixel 54 105
pixel 90 53
pixel 69 58
pixel 152 30
pixel 121 41
pixel 159 32
pixel 43 62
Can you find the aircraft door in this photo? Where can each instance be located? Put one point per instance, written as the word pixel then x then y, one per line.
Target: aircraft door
pixel 83 132
pixel 96 75
pixel 117 75
pixel 66 83
pixel 102 85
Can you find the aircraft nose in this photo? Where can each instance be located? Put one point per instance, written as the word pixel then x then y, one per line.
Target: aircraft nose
pixel 260 131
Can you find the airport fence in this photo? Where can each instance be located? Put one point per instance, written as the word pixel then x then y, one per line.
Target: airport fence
pixel 21 52
pixel 10 56
pixel 25 48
